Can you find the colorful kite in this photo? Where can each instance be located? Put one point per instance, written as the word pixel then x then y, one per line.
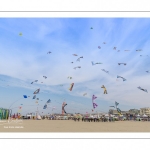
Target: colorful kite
pixel 105 91
pixel 25 96
pixel 121 77
pixel 119 111
pixel 37 91
pixel 63 108
pixel 93 101
pixel 142 89
pixel 71 86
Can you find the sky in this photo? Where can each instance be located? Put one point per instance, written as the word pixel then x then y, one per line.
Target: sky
pixel 24 59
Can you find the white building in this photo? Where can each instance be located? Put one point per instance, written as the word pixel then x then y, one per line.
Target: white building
pixel 145 111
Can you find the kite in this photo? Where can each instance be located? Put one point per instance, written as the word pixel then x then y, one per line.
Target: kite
pixel 121 63
pixel 95 63
pixel 92 63
pixel 37 91
pixel 119 111
pixel 118 51
pixel 84 94
pixel 105 70
pixel 72 62
pixel 36 81
pixel 70 77
pixel 44 77
pixel 25 96
pixel 93 99
pixel 61 84
pixel 114 48
pixel 142 89
pixel 49 52
pixel 99 47
pixel 48 101
pixel 126 50
pixel 31 82
pixel 91 28
pixel 34 96
pixel 77 67
pixel 74 54
pixel 148 71
pixel 71 86
pixel 121 77
pixel 105 91
pixel 21 104
pixel 116 103
pixel 79 58
pixel 37 98
pixel 112 106
pixel 138 50
pixel 63 108
pixel 104 42
pixel 20 34
pixel 45 106
pixel 98 63
pixel 28 96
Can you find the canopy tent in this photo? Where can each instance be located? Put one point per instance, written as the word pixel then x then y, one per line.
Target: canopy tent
pixel 145 115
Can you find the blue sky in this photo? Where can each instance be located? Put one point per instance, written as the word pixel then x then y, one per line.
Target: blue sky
pixel 24 59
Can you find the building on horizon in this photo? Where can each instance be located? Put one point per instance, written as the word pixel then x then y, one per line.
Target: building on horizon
pixel 145 111
pixel 134 111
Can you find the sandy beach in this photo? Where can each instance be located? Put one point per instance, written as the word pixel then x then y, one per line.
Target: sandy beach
pixel 72 126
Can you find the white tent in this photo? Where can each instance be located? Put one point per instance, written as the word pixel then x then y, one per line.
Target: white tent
pixel 144 115
pixel 39 117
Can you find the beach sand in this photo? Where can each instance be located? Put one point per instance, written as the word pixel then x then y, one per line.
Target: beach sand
pixel 74 126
